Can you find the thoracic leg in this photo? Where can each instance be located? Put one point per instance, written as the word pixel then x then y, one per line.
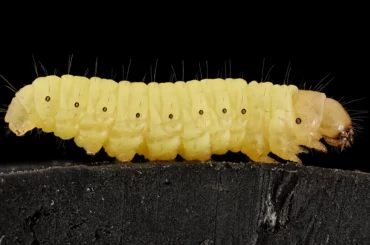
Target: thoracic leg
pixel 266 159
pixel 287 151
pixel 291 156
pixel 257 149
pixel 318 146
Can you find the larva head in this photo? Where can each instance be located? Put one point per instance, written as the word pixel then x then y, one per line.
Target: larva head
pixel 319 117
pixel 336 125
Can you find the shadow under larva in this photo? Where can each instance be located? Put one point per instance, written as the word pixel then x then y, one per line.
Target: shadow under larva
pixel 193 119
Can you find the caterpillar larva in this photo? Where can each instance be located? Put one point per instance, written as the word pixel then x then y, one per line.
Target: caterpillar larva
pixel 194 119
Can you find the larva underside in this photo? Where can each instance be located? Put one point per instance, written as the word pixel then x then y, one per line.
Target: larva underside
pixel 194 119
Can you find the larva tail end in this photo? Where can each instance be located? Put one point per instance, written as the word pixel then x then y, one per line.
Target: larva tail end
pixel 336 126
pixel 18 119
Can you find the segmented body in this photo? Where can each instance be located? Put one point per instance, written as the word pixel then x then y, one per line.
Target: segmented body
pixel 160 120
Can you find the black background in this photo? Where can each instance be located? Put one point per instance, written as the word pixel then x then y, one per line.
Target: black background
pixel 311 57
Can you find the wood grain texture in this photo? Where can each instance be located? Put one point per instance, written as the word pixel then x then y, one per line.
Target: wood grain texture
pixel 183 203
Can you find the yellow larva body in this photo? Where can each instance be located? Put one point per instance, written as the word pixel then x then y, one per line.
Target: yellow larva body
pixel 194 119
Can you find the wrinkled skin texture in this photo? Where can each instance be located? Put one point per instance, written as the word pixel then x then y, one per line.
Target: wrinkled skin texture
pixel 194 119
